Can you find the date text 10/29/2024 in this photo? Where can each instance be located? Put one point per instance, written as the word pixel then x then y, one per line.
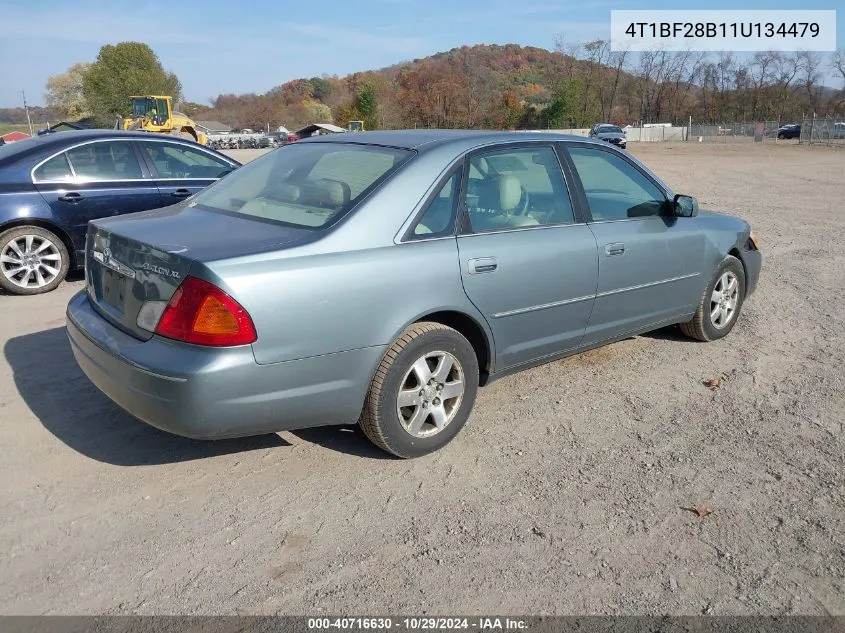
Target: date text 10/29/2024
pixel 422 623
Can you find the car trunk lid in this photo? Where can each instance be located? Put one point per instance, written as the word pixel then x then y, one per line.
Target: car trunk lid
pixel 144 257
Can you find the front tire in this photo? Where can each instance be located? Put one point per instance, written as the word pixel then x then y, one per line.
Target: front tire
pixel 32 260
pixel 721 303
pixel 422 392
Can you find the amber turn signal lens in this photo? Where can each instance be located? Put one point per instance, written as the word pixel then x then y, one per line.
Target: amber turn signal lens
pixel 214 317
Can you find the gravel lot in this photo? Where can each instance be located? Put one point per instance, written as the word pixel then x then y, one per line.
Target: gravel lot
pixel 564 494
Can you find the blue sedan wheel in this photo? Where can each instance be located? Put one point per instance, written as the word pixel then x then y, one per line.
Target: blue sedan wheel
pixel 32 260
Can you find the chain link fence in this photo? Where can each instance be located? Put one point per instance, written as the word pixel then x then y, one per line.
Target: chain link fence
pixel 825 131
pixel 761 131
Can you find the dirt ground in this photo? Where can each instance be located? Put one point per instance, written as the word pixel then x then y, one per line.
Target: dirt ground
pixel 568 492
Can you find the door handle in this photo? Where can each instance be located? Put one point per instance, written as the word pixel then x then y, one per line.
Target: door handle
pixel 479 265
pixel 181 193
pixel 617 248
pixel 71 197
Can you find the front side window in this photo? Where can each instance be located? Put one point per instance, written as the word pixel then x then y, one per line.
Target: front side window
pixel 57 169
pixel 177 161
pixel 517 188
pixel 304 184
pixel 439 218
pixel 107 160
pixel 615 189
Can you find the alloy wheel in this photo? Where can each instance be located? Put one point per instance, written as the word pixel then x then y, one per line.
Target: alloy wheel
pixel 724 300
pixel 430 394
pixel 30 261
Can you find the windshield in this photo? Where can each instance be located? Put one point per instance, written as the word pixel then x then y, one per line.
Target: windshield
pixel 140 107
pixel 307 185
pixel 149 107
pixel 609 128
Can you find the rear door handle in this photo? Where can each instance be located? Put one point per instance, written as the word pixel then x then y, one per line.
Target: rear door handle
pixel 618 248
pixel 479 265
pixel 71 197
pixel 181 193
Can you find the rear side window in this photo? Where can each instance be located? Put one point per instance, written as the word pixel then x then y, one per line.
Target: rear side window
pixel 304 184
pixel 438 219
pixel 515 188
pixel 109 160
pixel 55 169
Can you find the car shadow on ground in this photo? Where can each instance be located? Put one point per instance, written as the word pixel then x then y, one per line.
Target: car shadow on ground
pixel 669 333
pixel 71 408
pixel 343 439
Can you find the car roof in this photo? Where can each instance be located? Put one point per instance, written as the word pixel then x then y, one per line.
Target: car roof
pixel 12 152
pixel 426 140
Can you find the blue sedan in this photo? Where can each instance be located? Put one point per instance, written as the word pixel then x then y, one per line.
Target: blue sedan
pixel 51 186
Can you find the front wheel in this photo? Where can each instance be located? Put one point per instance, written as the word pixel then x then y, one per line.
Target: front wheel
pixel 32 260
pixel 721 304
pixel 422 392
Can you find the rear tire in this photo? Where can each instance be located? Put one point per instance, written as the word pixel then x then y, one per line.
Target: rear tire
pixel 721 303
pixel 32 260
pixel 422 392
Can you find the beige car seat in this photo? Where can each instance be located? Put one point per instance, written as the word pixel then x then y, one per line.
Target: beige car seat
pixel 504 197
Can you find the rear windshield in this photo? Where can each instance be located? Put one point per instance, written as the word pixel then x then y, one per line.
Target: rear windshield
pixel 307 185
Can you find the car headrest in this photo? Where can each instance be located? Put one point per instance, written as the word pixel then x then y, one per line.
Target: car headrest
pixel 510 192
pixel 333 193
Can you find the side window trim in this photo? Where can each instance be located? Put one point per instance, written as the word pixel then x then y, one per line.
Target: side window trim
pixel 456 168
pixel 75 180
pixel 582 195
pixel 72 180
pixel 463 223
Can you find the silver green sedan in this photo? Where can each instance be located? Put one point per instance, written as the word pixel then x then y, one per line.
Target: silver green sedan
pixel 380 278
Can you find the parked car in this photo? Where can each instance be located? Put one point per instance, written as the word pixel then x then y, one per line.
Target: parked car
pixel 55 184
pixel 789 131
pixel 610 133
pixel 381 277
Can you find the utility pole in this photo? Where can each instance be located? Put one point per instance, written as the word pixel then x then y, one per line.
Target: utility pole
pixel 26 108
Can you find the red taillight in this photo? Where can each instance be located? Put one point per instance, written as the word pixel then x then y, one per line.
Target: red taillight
pixel 200 313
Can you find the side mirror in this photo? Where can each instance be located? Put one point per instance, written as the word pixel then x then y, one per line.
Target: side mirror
pixel 684 207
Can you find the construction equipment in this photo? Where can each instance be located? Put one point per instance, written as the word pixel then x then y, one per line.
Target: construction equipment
pixel 156 114
pixel 355 126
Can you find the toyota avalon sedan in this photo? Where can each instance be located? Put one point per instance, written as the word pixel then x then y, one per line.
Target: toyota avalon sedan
pixel 380 278
pixel 52 185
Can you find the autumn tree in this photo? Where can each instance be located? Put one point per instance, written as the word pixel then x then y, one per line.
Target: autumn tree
pixel 65 92
pixel 123 70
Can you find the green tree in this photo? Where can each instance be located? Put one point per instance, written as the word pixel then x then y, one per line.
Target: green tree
pixel 317 112
pixel 321 88
pixel 123 70
pixel 366 104
pixel 64 92
pixel 566 108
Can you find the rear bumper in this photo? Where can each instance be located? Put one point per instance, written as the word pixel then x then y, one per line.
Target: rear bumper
pixel 211 393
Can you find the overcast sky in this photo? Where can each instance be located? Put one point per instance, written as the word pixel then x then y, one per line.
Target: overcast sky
pixel 218 46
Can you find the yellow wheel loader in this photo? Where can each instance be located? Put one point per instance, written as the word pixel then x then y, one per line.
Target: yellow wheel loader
pixel 155 114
